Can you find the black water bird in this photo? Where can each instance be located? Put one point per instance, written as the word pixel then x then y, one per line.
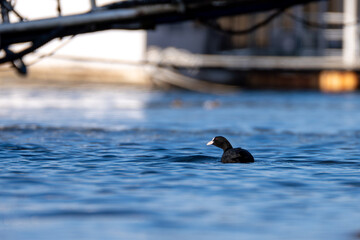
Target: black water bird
pixel 231 155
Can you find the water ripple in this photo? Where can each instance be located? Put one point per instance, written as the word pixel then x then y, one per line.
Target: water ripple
pixel 76 172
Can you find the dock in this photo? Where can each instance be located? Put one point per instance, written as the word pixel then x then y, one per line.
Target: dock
pixel 298 44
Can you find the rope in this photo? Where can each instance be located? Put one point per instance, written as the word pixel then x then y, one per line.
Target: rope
pixel 63 44
pixel 171 76
pixel 217 27
pixel 10 7
pixel 319 25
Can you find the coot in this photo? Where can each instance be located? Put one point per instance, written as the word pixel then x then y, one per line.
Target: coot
pixel 231 155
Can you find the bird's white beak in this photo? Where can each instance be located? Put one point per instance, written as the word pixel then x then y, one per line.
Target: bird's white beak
pixel 210 143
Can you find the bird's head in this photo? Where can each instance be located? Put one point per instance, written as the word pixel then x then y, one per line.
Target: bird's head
pixel 220 142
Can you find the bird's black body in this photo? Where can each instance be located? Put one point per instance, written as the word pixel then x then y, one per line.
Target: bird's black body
pixel 237 155
pixel 231 155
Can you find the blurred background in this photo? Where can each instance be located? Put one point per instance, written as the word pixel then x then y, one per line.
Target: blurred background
pixel 304 46
pixel 106 108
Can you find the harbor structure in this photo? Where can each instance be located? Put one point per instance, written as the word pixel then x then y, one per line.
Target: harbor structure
pixel 311 46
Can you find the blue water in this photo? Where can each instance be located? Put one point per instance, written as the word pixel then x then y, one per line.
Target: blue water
pixel 114 163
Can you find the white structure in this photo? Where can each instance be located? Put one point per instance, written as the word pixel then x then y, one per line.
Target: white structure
pixel 92 56
pixel 350 34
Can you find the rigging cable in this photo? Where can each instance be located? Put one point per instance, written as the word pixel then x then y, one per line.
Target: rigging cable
pixel 63 44
pixel 217 27
pixel 319 25
pixel 10 8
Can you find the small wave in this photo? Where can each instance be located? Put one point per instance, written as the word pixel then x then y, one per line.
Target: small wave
pixel 192 158
pixel 202 133
pixel 149 172
pixel 109 156
pixel 92 213
pixel 186 149
pixel 290 183
pixel 334 162
pixel 307 161
pixel 22 147
pixel 75 100
pixel 352 183
pixel 35 127
pixel 30 128
pixel 128 144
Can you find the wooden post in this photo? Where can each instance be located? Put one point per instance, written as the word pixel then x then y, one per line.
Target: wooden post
pixel 321 43
pixel 4 12
pixel 93 5
pixel 350 35
pixel 298 29
pixel 59 8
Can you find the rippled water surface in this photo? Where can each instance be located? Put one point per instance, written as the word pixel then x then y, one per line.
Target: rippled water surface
pixel 105 163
